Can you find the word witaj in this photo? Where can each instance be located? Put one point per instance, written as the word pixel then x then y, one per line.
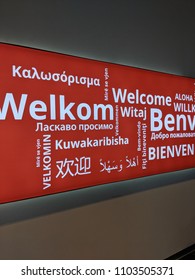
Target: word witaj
pixel 38 109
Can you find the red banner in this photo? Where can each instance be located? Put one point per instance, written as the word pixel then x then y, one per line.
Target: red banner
pixel 68 123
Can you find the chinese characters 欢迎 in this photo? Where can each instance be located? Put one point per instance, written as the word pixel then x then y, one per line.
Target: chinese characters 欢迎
pixel 73 167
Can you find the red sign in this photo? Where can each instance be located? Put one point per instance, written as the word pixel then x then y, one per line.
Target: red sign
pixel 68 123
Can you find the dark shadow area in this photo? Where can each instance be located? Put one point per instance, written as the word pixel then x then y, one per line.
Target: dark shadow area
pixel 30 208
pixel 186 254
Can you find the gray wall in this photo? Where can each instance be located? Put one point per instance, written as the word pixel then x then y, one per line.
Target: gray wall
pixel 150 218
